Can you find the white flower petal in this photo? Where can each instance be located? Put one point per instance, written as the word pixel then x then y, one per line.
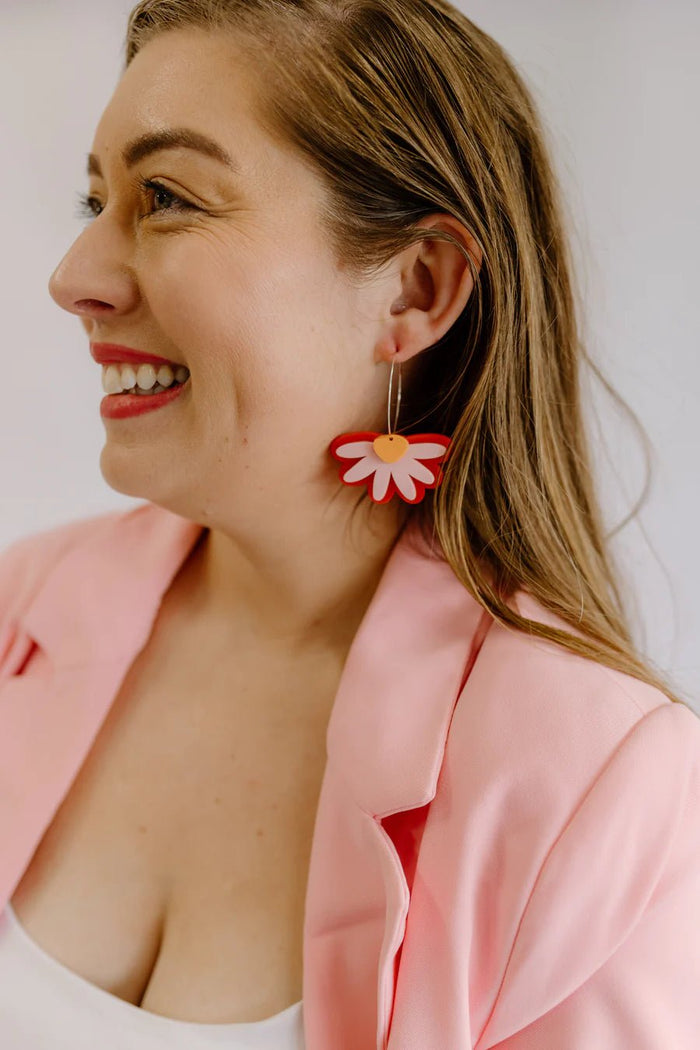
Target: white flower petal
pixel 416 469
pixel 405 483
pixel 355 449
pixel 426 450
pixel 361 470
pixel 381 481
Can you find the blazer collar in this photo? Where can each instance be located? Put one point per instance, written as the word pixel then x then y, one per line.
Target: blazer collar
pixel 100 600
pixel 405 668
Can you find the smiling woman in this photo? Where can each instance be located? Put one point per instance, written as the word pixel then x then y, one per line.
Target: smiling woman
pixel 326 768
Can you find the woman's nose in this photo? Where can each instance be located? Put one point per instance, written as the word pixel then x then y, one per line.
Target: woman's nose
pixel 93 278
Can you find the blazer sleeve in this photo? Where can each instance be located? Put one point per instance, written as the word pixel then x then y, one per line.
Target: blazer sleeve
pixel 607 951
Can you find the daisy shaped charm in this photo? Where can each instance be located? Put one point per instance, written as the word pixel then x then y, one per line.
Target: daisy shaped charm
pixel 391 464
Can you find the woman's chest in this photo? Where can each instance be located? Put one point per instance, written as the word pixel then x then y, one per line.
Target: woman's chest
pixel 173 874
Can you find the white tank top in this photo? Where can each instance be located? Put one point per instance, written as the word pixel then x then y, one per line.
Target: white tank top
pixel 46 1006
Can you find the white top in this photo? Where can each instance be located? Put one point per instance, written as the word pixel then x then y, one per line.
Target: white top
pixel 46 1006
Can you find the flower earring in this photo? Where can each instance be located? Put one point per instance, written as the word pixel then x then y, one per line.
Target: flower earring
pixel 391 464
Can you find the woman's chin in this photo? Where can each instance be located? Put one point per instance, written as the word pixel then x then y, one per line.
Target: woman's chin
pixel 121 472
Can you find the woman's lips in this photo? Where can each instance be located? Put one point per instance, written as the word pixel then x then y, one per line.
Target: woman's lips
pixel 124 406
pixel 114 354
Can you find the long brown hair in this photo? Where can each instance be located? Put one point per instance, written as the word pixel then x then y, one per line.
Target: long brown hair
pixel 406 107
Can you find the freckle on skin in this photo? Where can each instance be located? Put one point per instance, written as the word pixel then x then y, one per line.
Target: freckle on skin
pixel 143 829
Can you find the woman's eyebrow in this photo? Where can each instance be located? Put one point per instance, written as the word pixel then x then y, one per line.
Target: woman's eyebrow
pixel 171 138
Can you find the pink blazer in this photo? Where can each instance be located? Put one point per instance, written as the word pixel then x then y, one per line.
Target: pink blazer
pixel 507 844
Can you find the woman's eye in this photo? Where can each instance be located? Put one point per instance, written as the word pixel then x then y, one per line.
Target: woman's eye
pixel 88 206
pixel 163 191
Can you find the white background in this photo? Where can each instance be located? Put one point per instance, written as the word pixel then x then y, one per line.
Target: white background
pixel 618 87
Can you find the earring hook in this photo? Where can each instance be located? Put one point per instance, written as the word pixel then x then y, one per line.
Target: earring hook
pixel 398 402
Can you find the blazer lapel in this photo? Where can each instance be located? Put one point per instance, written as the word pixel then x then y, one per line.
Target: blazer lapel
pixel 73 645
pixel 386 739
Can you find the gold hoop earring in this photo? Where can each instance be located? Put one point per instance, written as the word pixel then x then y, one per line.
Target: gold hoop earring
pixel 391 464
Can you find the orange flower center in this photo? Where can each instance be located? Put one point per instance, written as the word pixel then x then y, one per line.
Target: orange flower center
pixel 390 447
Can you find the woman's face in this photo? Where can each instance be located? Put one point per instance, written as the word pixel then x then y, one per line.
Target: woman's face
pixel 233 279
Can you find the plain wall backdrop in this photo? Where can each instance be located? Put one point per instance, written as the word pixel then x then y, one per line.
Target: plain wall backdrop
pixel 618 88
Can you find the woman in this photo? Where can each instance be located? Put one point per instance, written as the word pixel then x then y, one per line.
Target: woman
pixel 339 739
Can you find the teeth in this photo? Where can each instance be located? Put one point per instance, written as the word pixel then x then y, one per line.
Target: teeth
pixel 118 378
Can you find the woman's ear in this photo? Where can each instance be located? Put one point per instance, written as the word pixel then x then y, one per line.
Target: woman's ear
pixel 436 282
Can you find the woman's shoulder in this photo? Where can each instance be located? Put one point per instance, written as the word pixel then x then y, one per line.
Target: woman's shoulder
pixel 539 711
pixel 541 725
pixel 546 675
pixel 26 561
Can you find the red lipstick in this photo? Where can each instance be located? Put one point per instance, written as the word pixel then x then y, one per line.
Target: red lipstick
pixel 114 354
pixel 123 406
